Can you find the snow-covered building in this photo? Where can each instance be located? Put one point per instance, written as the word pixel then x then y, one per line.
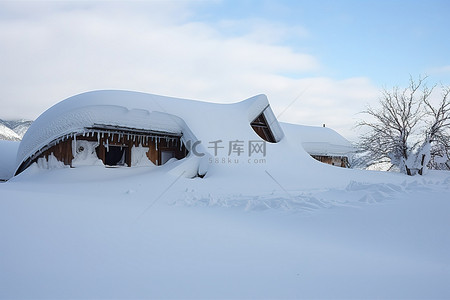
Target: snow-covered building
pixel 322 143
pixel 123 128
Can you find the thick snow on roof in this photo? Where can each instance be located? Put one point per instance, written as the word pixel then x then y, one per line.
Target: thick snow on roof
pixel 318 140
pixel 194 119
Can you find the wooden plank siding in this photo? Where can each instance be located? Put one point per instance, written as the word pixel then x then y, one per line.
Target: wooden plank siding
pixel 62 151
pixel 155 144
pixel 262 129
pixel 340 161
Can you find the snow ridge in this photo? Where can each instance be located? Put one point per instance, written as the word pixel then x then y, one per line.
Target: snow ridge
pixel 353 195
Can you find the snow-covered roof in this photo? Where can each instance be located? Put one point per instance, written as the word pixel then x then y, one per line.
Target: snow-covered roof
pixel 196 120
pixel 318 140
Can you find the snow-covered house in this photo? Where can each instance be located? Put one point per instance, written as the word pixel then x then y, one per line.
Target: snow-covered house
pixel 123 128
pixel 322 143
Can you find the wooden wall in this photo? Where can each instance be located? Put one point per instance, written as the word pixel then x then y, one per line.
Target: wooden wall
pixel 262 129
pixel 340 161
pixel 63 150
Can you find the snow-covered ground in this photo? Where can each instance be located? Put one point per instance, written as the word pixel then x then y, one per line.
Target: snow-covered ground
pixel 315 232
pixel 269 224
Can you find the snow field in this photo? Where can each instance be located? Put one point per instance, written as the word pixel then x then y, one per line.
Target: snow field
pixel 140 233
pixel 280 226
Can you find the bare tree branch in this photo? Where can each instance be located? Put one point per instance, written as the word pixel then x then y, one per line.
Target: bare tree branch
pixel 397 130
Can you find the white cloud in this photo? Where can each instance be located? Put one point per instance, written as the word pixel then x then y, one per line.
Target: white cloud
pixel 151 46
pixel 260 30
pixel 440 70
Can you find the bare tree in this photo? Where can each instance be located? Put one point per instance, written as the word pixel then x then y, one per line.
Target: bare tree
pixel 437 136
pixel 406 127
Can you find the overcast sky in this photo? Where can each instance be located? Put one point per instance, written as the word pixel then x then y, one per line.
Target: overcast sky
pixel 317 61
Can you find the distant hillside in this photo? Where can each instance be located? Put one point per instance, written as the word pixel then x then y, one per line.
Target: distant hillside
pixel 13 130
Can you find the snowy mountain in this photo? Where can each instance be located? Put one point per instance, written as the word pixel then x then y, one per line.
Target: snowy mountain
pixel 13 130
pixel 8 134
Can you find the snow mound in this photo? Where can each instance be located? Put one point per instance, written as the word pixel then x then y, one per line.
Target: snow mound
pixel 134 110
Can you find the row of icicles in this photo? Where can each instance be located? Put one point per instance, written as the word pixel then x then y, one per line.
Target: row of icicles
pixel 101 134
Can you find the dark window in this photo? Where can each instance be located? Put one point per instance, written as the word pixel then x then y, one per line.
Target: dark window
pixel 166 155
pixel 262 129
pixel 116 156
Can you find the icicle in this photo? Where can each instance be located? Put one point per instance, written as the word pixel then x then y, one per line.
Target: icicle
pixel 156 144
